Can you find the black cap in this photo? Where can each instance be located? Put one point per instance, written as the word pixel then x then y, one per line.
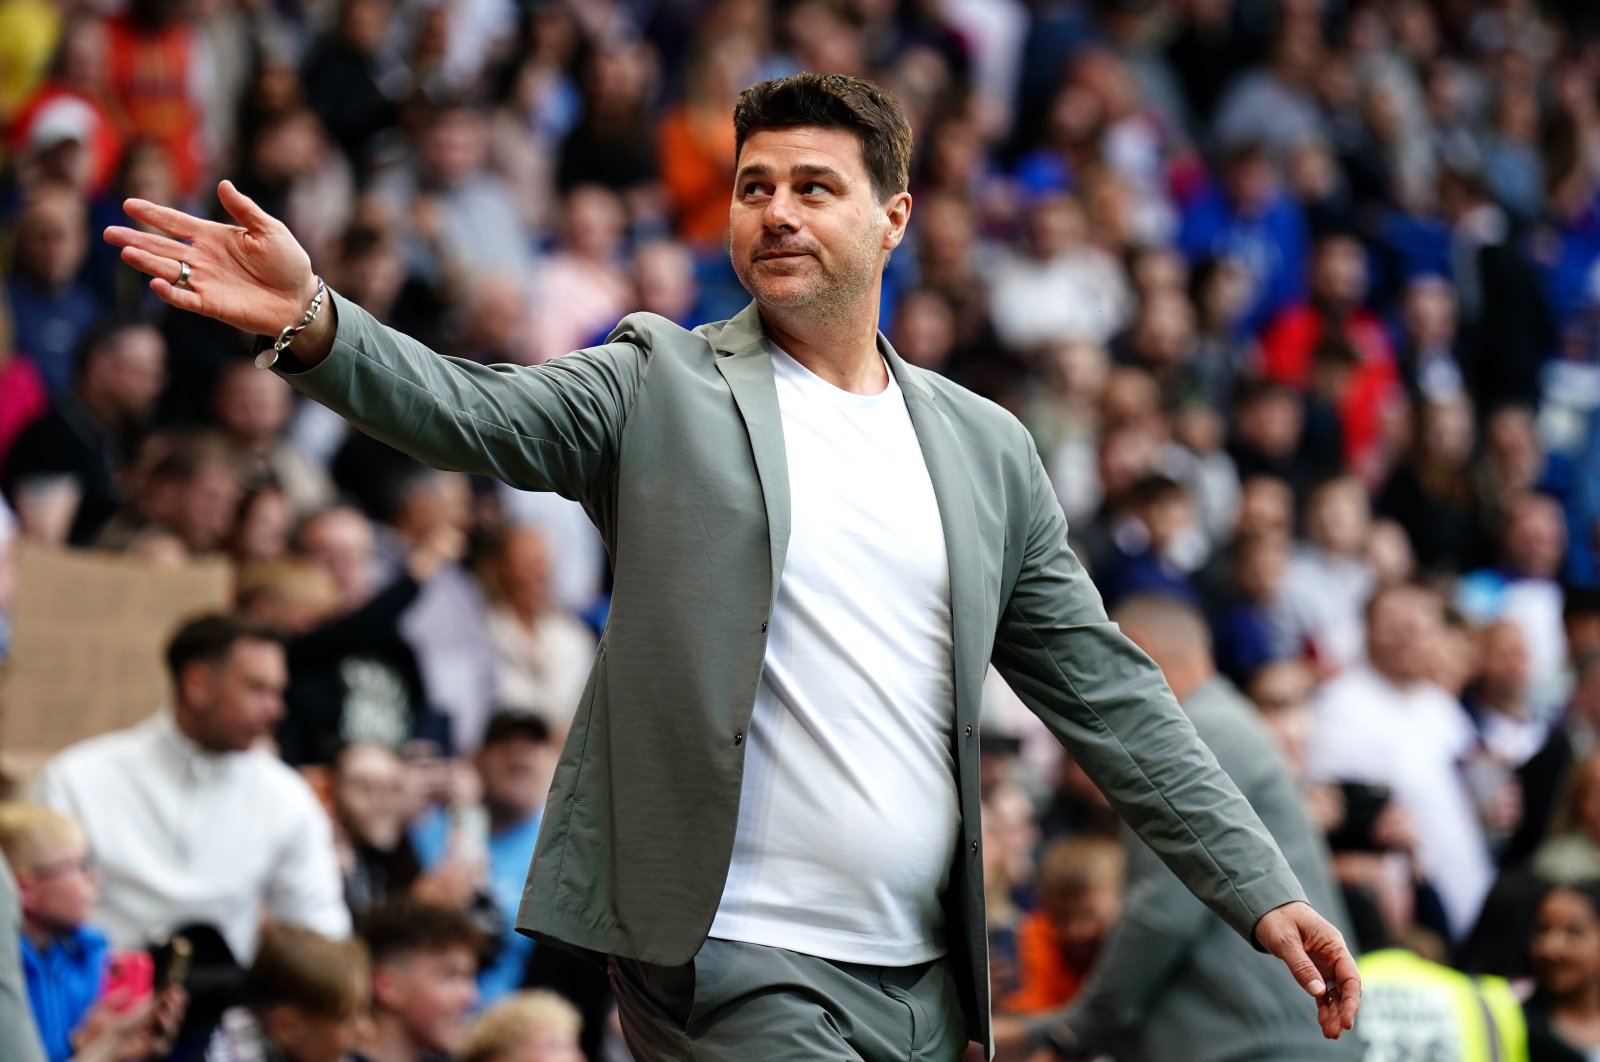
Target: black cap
pixel 515 722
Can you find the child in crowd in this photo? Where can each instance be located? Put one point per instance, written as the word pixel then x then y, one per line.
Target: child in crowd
pixel 537 1026
pixel 424 970
pixel 1080 898
pixel 306 1001
pixel 64 958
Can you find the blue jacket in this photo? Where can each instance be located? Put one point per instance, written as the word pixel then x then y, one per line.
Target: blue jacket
pixel 63 982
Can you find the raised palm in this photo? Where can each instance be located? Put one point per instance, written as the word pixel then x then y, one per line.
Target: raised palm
pixel 254 276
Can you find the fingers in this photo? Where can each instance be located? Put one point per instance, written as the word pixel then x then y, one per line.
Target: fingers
pixel 122 236
pixel 156 265
pixel 242 208
pixel 182 298
pixel 1348 977
pixel 172 222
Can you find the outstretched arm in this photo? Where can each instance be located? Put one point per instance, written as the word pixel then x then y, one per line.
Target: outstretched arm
pixel 1108 703
pixel 549 427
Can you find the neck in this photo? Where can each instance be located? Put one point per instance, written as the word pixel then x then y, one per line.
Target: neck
pixel 839 344
pixel 1584 1004
pixel 504 816
pixel 389 1041
pixel 1186 677
pixel 39 934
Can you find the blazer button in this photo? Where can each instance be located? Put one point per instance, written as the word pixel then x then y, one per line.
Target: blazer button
pixel 738 737
pixel 763 628
pixel 974 846
pixel 969 731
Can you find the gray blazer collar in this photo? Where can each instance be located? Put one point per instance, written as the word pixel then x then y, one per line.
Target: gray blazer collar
pixel 743 334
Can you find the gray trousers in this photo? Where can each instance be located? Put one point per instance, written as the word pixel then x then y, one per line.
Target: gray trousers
pixel 738 1002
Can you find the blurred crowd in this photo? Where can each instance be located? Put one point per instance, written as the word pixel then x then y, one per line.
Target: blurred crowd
pixel 1300 300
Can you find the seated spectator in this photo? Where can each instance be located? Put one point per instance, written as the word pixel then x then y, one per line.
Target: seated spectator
pixel 1336 311
pixel 423 508
pixel 1152 547
pixel 1571 854
pixel 264 526
pixel 370 807
pixel 1079 900
pixel 61 474
pixel 54 309
pixel 584 287
pixel 1430 492
pixel 1257 624
pixel 1063 287
pixel 186 504
pixel 424 959
pixel 306 998
pixel 64 957
pixel 1329 578
pixel 1386 723
pixel 1524 588
pixel 353 678
pixel 190 819
pixel 542 654
pixel 1501 700
pixel 515 762
pixel 537 1026
pixel 1563 1014
pixel 253 408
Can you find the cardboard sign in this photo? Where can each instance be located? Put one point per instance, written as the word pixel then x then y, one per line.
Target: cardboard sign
pixel 88 631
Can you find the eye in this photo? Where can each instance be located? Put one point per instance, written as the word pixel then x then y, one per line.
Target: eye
pixel 813 188
pixel 751 188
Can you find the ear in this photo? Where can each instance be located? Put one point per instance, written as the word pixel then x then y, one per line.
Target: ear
pixel 195 683
pixel 385 988
pixel 897 212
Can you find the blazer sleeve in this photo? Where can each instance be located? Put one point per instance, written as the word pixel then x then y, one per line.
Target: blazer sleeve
pixel 552 427
pixel 1107 703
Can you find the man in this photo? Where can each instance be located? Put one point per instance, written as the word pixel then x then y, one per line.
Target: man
pixel 766 814
pixel 61 474
pixel 1385 722
pixel 423 961
pixel 189 818
pixel 1173 981
pixel 515 763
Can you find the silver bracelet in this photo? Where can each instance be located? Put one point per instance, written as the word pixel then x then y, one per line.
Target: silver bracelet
pixel 268 358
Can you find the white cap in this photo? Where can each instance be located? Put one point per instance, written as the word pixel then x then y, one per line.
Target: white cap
pixel 60 120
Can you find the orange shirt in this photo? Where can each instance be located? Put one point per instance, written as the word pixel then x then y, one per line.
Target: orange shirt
pixel 149 77
pixel 1048 981
pixel 697 170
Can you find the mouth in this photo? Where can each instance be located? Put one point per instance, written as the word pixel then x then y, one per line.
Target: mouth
pixel 780 256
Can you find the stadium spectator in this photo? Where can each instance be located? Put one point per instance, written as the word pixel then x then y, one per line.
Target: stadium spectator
pixel 189 818
pixel 53 309
pixel 1384 722
pixel 1079 898
pixel 537 1026
pixel 1564 1013
pixel 371 805
pixel 61 473
pixel 1329 578
pixel 305 1000
pixel 254 408
pixel 423 961
pixel 541 652
pixel 187 502
pixel 515 764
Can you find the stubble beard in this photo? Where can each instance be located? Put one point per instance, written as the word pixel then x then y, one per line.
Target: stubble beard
pixel 829 290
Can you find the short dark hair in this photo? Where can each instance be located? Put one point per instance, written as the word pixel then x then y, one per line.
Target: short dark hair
pixel 210 638
pixel 401 928
pixel 833 101
pixel 303 969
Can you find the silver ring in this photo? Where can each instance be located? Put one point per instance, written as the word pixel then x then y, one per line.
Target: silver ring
pixel 184 273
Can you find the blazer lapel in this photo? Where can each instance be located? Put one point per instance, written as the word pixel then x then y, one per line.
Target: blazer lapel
pixel 947 468
pixel 745 364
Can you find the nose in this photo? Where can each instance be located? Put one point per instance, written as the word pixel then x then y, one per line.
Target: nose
pixel 780 215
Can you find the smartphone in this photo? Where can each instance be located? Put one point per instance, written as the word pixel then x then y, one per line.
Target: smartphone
pixel 130 978
pixel 179 951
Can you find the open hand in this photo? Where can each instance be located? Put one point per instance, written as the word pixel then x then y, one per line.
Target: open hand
pixel 1316 954
pixel 254 276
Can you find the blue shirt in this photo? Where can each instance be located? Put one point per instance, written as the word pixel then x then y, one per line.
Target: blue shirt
pixel 510 852
pixel 64 980
pixel 49 327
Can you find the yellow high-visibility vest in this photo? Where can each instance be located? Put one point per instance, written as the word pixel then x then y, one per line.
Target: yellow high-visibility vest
pixel 1413 1010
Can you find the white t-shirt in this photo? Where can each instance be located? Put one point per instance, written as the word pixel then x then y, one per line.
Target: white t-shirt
pixel 849 814
pixel 1413 740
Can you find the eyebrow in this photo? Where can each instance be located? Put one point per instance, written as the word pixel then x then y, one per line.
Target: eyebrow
pixel 826 173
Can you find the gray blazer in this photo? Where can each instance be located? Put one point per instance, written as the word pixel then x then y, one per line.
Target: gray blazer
pixel 1174 982
pixel 672 441
pixel 19 1036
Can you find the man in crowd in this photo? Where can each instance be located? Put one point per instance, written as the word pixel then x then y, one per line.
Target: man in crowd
pixel 818 548
pixel 189 817
pixel 423 962
pixel 1385 722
